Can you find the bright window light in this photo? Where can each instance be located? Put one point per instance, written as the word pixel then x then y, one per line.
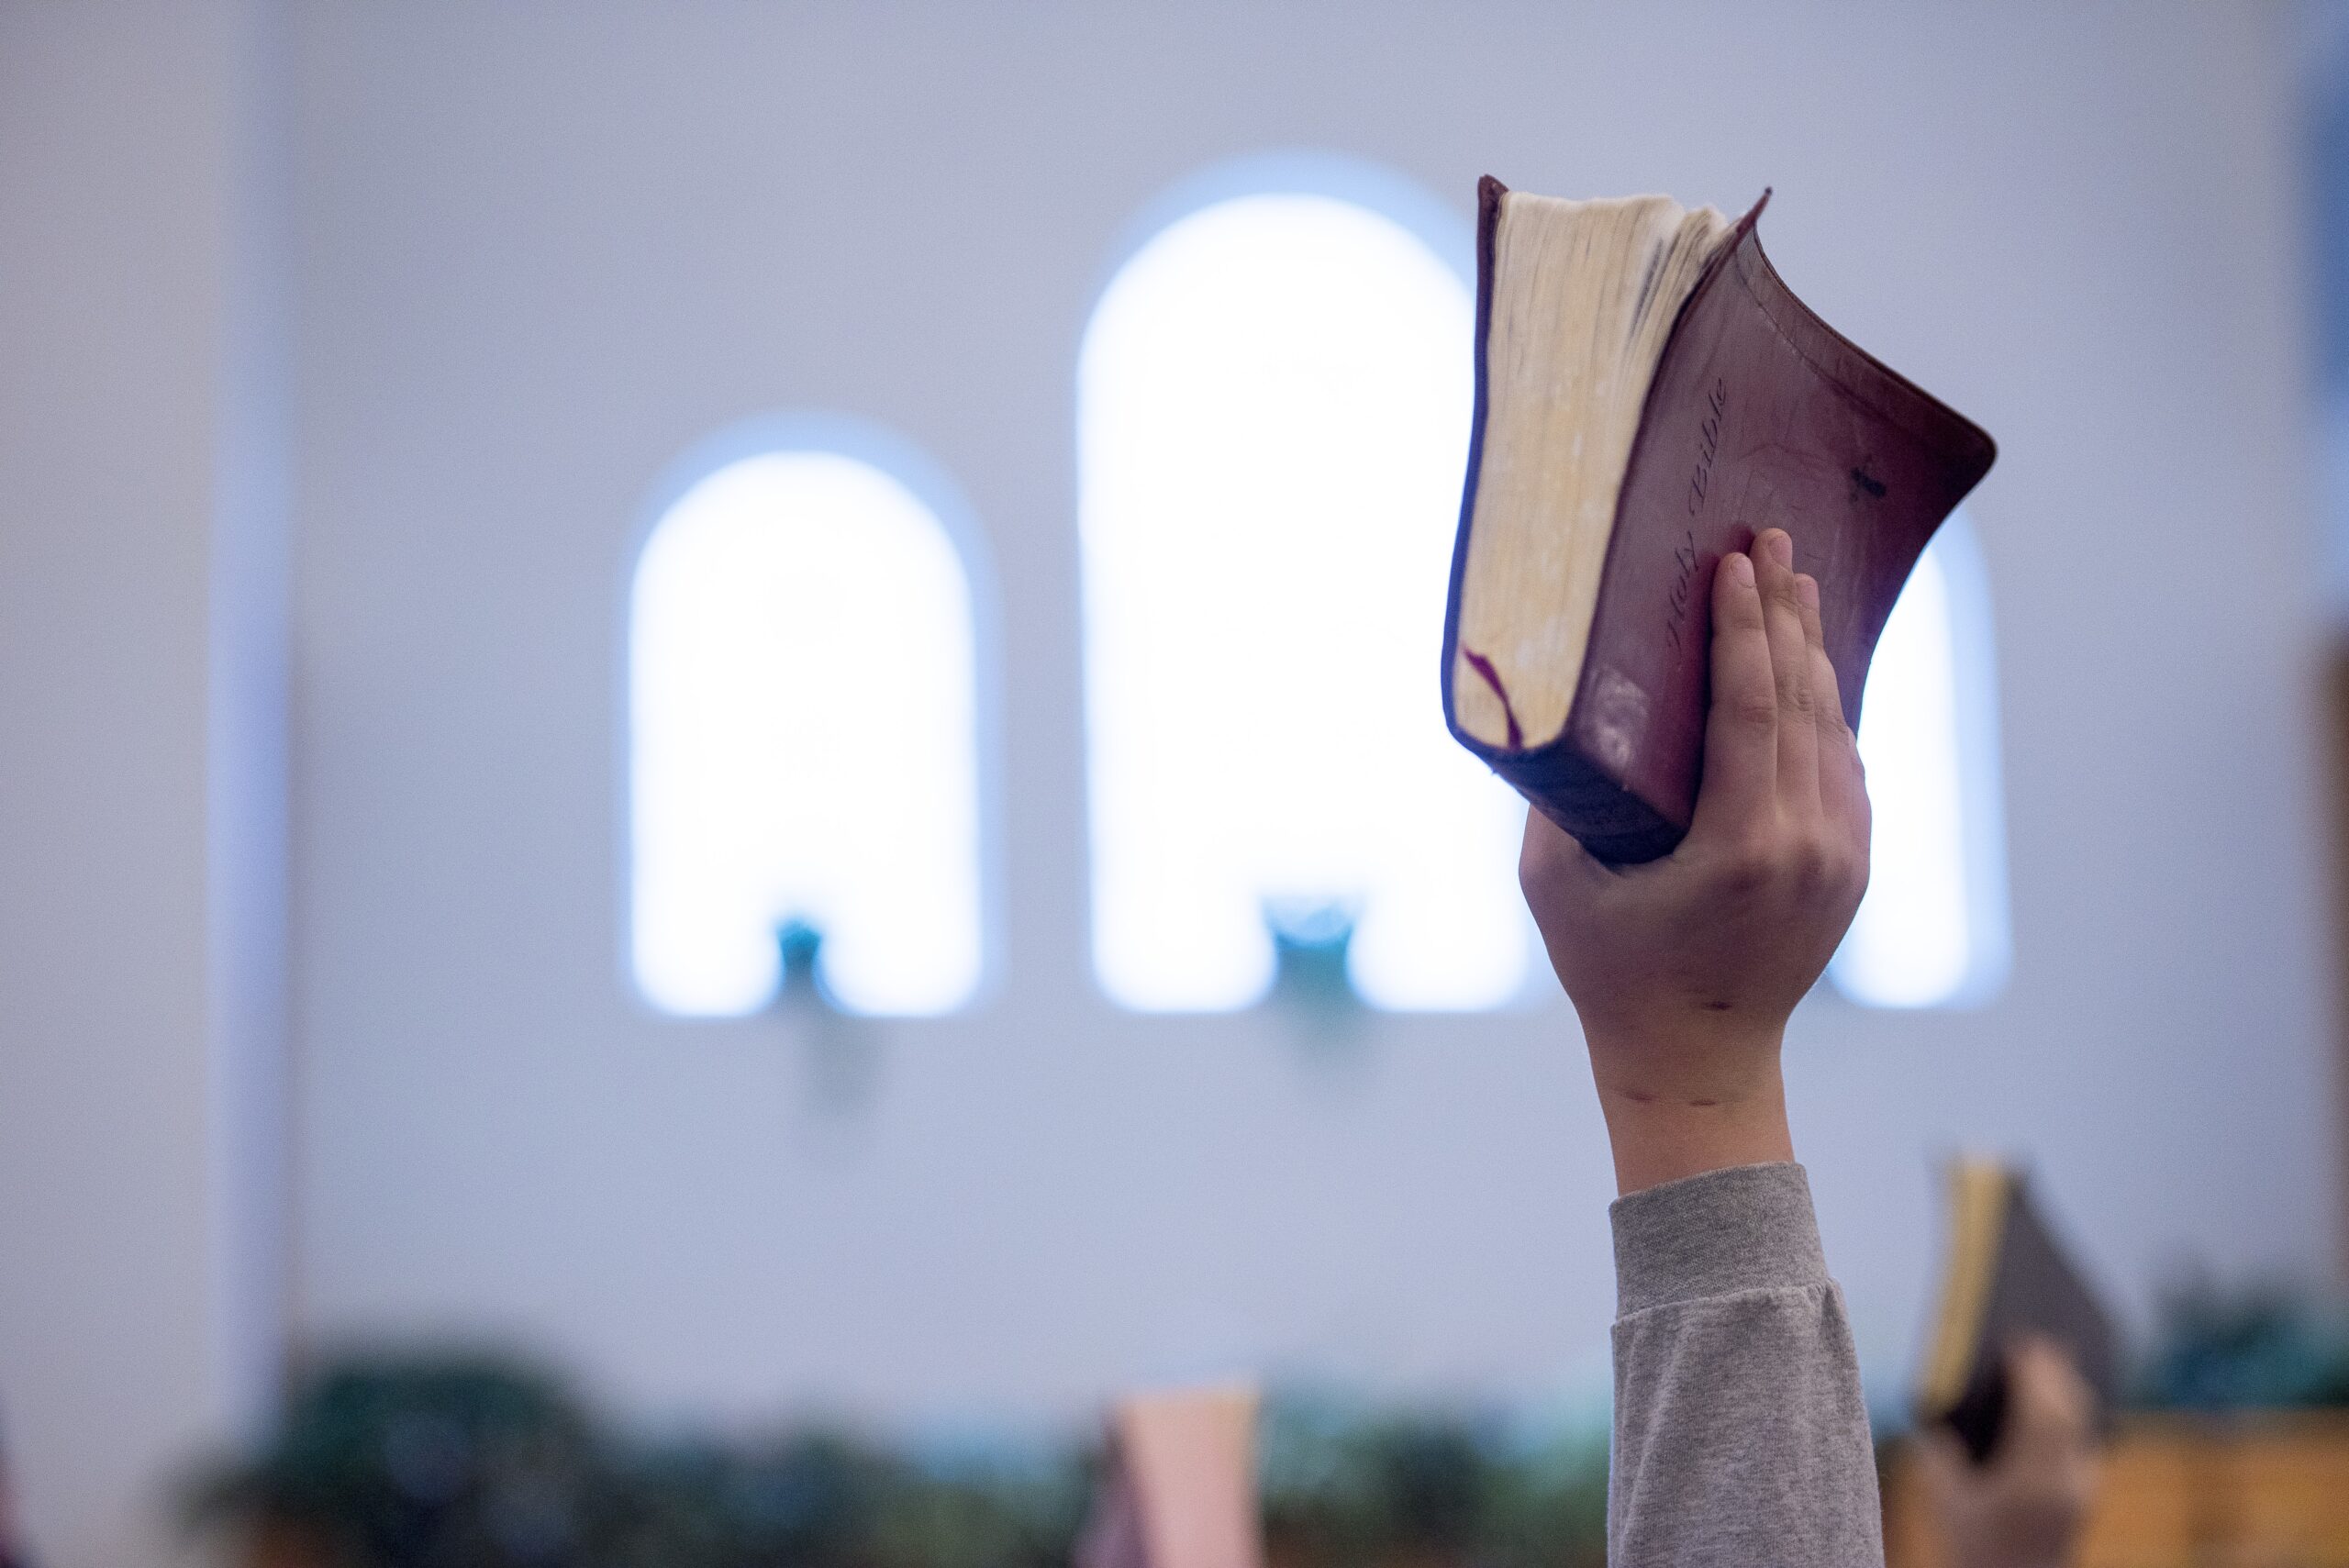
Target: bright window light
pixel 1932 931
pixel 802 743
pixel 1273 408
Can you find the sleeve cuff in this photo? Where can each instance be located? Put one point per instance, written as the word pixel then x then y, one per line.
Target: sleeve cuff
pixel 1746 1228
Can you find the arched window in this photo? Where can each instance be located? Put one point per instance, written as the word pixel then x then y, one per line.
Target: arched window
pixel 803 749
pixel 1272 416
pixel 1932 931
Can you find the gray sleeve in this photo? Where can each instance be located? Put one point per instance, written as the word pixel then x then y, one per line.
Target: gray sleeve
pixel 1741 1436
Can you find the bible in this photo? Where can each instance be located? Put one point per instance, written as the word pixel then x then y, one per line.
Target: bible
pixel 2006 1275
pixel 1649 398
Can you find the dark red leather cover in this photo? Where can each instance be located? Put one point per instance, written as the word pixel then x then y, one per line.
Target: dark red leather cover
pixel 1760 416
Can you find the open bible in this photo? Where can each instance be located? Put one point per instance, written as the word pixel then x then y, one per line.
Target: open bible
pixel 1649 398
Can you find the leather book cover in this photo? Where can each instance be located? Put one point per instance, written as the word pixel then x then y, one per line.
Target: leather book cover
pixel 1760 416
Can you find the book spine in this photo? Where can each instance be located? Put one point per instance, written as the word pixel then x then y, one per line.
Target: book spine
pixel 1557 779
pixel 1490 193
pixel 1613 824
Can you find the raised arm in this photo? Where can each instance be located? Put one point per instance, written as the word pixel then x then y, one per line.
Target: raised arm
pixel 1739 1432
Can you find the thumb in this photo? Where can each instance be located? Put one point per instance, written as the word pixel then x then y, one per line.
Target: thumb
pixel 1554 868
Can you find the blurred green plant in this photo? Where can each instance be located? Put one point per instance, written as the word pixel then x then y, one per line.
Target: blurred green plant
pixel 476 1462
pixel 485 1461
pixel 480 1462
pixel 2260 1347
pixel 1342 1489
pixel 464 1459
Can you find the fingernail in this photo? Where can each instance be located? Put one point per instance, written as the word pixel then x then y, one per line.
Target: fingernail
pixel 1781 546
pixel 1808 587
pixel 1741 568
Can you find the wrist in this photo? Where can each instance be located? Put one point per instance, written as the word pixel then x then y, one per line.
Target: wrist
pixel 1679 1108
pixel 1655 1142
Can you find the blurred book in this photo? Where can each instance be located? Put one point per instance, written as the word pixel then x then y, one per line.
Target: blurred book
pixel 1649 398
pixel 2006 1275
pixel 1179 1490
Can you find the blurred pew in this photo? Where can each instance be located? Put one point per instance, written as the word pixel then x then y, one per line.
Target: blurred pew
pixel 2268 1489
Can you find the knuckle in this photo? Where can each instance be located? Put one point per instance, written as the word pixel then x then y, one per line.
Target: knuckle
pixel 1753 711
pixel 1749 867
pixel 1741 612
pixel 1805 868
pixel 1740 601
pixel 1829 709
pixel 1852 875
pixel 1811 865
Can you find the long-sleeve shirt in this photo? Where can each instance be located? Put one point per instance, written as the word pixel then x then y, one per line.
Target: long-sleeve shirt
pixel 1741 1435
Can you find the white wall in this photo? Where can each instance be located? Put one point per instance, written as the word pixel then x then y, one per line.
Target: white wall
pixel 542 248
pixel 141 760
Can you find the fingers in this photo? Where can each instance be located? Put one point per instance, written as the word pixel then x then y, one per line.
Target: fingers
pixel 1740 781
pixel 1797 734
pixel 2051 1443
pixel 1949 1471
pixel 1824 687
pixel 1775 739
pixel 1842 783
pixel 2051 1405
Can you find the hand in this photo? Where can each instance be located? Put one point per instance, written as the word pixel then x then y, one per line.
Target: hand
pixel 2024 1507
pixel 1684 970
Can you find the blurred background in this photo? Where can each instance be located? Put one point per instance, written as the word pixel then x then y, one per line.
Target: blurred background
pixel 740 698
